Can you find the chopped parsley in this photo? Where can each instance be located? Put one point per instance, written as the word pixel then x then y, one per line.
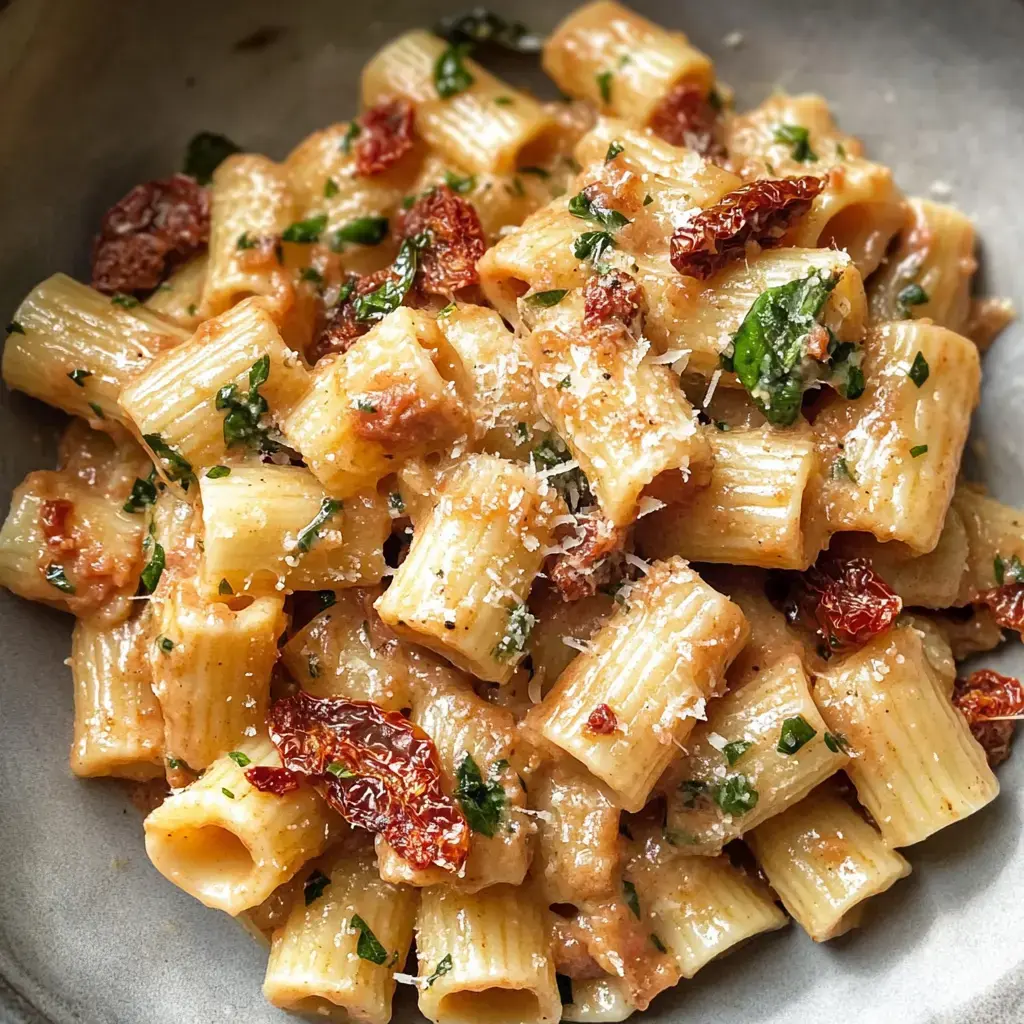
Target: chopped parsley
pixel 564 983
pixel 224 587
pixel 246 242
pixel 311 274
pixel 245 410
pixel 227 792
pixel 795 733
pixel 735 750
pixel 799 139
pixel 604 86
pixel 444 965
pixel 192 307
pixel 564 383
pixel 836 742
pixel 614 149
pixel 341 771
pixel 242 760
pixel 771 344
pixel 361 231
pixel 56 577
pixel 14 327
pixel 205 153
pixel 305 231
pixel 1008 571
pixel 481 801
pixel 841 470
pixel 368 947
pixel 446 311
pixel 544 300
pixel 487 28
pixel 460 183
pixel 658 944
pixel 396 504
pixel 330 188
pixel 176 763
pixel 503 101
pixel 143 493
pixel 522 433
pixel 374 306
pixel 309 533
pixel 582 206
pixel 736 795
pixel 692 790
pixel 631 897
pixel 313 887
pixel 125 301
pixel 313 666
pixel 918 450
pixel 911 295
pixel 573 485
pixel 165 643
pixel 97 410
pixel 352 132
pixel 176 466
pixel 919 370
pixel 154 569
pixel 648 199
pixel 363 404
pixel 78 376
pixel 450 74
pixel 218 472
pixel 517 632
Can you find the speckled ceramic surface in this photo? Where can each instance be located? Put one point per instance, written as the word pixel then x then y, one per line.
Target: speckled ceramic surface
pixel 99 94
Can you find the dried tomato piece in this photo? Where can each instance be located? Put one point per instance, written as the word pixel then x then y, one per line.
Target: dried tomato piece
pixel 386 136
pixel 456 240
pixel 848 600
pixel 685 117
pixel 53 519
pixel 759 213
pixel 578 572
pixel 1006 604
pixel 398 416
pixel 376 769
pixel 602 720
pixel 153 228
pixel 268 779
pixel 991 703
pixel 613 296
pixel 341 329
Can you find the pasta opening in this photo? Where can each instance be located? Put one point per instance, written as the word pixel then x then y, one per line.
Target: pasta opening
pixel 490 1006
pixel 864 230
pixel 206 860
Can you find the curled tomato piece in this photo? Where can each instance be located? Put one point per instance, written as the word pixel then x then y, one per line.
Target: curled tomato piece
pixel 759 213
pixel 602 720
pixel 376 769
pixel 340 329
pixel 991 703
pixel 386 136
pixel 268 779
pixel 456 240
pixel 613 296
pixel 156 226
pixel 847 600
pixel 1006 604
pixel 685 117
pixel 578 572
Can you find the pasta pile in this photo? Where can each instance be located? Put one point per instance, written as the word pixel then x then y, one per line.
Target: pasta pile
pixel 529 529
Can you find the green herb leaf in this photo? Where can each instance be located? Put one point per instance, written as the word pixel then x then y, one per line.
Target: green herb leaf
pixel 313 887
pixel 736 796
pixel 396 505
pixel 841 470
pixel 176 763
pixel 564 383
pixel 368 946
pixel 244 411
pixel 517 632
pixel 242 760
pixel 573 485
pixel 143 494
pixel 919 369
pixel 582 206
pixel 795 733
pixel 486 28
pixel 224 587
pixel 648 199
pixel 614 149
pixel 592 245
pixel 604 86
pixel 460 183
pixel 245 242
pixel 165 643
pixel 97 410
pixel 692 790
pixel 373 307
pixel 352 132
pixel 450 74
pixel 503 101
pixel 799 138
pixel 175 466
pixel 544 300
pixel 150 576
pixel 79 376
pixel 522 433
pixel 911 295
pixel 918 450
pixel 55 576
pixel 309 533
pixel 205 153
pixel 311 274
pixel 836 742
pixel 15 328
pixel 632 899
pixel 735 750
pixel 341 771
pixel 330 188
pixel 305 231
pixel 313 665
pixel 227 792
pixel 444 965
pixel 218 472
pixel 564 983
pixel 125 301
pixel 1008 571
pixel 481 801
pixel 771 344
pixel 658 944
pixel 361 231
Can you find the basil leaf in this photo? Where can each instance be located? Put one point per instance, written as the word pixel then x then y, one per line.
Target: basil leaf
pixel 242 760
pixel 484 27
pixel 736 795
pixel 592 245
pixel 771 344
pixel 450 74
pixel 361 231
pixel 918 450
pixel 143 494
pixel 218 472
pixel 735 750
pixel 604 86
pixel 444 965
pixel 78 376
pixel 581 205
pixel 245 410
pixel 799 138
pixel 481 802
pixel 205 153
pixel 368 947
pixel 374 306
pixel 919 370
pixel 150 576
pixel 614 149
pixel 55 577
pixel 460 184
pixel 545 300
pixel 836 742
pixel 314 886
pixel 795 733
pixel 911 295
pixel 310 532
pixel 175 466
pixel 352 132
pixel 305 231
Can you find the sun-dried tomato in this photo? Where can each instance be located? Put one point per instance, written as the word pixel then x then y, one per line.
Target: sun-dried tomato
pixel 991 703
pixel 341 329
pixel 685 117
pixel 386 135
pixel 398 416
pixel 375 768
pixel 580 571
pixel 847 600
pixel 53 519
pixel 613 296
pixel 456 240
pixel 156 226
pixel 1006 604
pixel 602 721
pixel 759 213
pixel 268 779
